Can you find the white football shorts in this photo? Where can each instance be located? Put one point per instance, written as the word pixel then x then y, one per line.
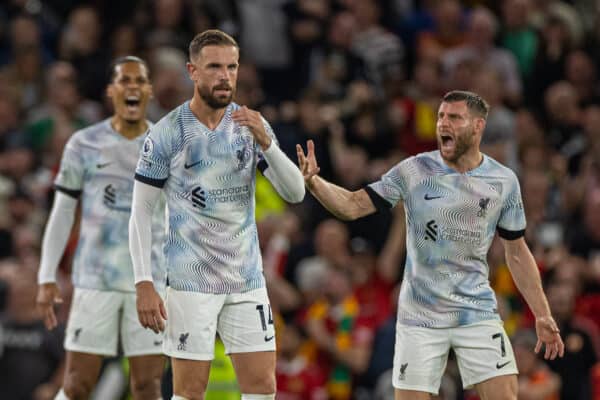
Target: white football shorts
pixel 482 350
pixel 98 319
pixel 243 321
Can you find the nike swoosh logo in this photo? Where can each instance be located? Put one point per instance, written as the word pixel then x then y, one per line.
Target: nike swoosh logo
pixel 268 338
pixel 498 365
pixel 100 166
pixel 188 166
pixel 428 197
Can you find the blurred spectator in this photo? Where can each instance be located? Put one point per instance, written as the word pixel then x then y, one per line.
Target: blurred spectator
pixel 307 21
pixel 298 378
pixel 371 287
pixel 265 42
pixel 170 83
pixel 343 339
pixel 125 40
pixel 447 33
pixel 581 73
pixel 80 44
pixel 518 35
pixel 10 130
pixel 580 337
pixel 25 70
pixel 337 65
pixel 31 358
pixel 563 113
pixel 63 112
pixel 585 241
pixel 412 114
pixel 499 140
pixel 170 24
pixel 381 51
pixel 480 49
pixel 536 381
pixel 556 42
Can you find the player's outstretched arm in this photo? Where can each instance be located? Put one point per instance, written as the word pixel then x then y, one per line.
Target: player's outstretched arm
pixel 150 307
pixel 342 203
pixel 58 230
pixel 527 278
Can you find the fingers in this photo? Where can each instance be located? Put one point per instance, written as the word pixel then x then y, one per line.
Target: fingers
pixel 246 117
pixel 163 310
pixel 301 157
pixel 154 318
pixel 561 347
pixel 49 317
pixel 310 146
pixel 538 346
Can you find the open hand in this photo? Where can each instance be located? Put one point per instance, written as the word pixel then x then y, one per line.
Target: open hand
pixel 47 296
pixel 150 307
pixel 307 163
pixel 549 334
pixel 253 121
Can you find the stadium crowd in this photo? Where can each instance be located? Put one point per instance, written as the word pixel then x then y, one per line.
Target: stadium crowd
pixel 363 80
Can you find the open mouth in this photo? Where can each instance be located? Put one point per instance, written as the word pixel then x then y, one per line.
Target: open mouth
pixel 447 140
pixel 132 102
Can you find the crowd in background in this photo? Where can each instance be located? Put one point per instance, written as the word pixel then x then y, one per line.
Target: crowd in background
pixel 363 79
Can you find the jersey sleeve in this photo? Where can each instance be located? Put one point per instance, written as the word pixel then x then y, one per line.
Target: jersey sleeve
pixel 511 224
pixel 155 157
pixel 69 179
pixel 391 188
pixel 262 164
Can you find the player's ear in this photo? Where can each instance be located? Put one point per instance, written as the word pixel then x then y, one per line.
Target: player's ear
pixel 480 124
pixel 110 91
pixel 191 69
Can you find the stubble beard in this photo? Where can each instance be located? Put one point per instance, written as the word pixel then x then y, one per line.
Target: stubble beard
pixel 462 145
pixel 213 101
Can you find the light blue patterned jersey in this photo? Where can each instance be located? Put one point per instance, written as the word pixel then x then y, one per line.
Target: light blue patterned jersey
pixel 98 164
pixel 209 180
pixel 451 219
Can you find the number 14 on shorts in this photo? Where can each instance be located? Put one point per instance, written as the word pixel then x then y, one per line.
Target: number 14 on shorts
pixel 265 319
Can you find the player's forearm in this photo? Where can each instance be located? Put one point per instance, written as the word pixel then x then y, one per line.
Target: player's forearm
pixel 525 273
pixel 284 175
pixel 337 200
pixel 140 230
pixel 56 236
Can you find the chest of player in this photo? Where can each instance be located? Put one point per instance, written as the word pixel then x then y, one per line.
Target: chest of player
pixel 458 208
pixel 218 156
pixel 109 172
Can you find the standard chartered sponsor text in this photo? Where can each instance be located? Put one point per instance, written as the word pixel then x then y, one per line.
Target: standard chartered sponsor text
pixel 226 195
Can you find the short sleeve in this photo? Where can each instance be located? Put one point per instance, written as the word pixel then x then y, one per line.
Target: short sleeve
pixel 392 187
pixel 512 223
pixel 69 179
pixel 262 164
pixel 155 157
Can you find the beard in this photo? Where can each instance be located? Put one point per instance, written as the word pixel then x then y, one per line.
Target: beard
pixel 462 144
pixel 213 101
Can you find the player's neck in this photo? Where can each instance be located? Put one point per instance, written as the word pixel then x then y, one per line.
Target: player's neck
pixel 467 162
pixel 129 130
pixel 209 116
